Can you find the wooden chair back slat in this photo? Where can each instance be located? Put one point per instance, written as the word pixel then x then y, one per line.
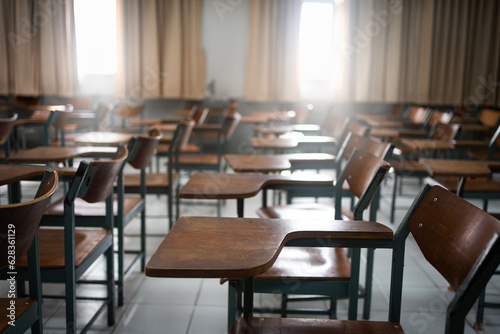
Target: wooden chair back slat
pixel 230 124
pixel 105 175
pixel 181 139
pixel 6 125
pixel 354 141
pixel 126 111
pixel 147 148
pixel 445 132
pixel 360 172
pixel 25 218
pixel 200 115
pixel 418 115
pixel 451 233
pixel 489 117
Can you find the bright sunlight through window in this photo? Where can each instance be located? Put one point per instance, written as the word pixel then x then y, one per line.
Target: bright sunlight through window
pixel 316 49
pixel 95 22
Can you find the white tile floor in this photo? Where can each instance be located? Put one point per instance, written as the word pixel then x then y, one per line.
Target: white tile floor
pixel 154 305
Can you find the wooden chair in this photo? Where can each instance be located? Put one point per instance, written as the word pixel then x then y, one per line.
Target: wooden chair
pixel 126 208
pixel 67 253
pixel 211 161
pixel 364 172
pixel 437 220
pixel 6 125
pixel 20 223
pixel 164 183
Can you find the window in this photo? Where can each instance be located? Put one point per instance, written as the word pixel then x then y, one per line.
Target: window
pixel 317 63
pixel 95 29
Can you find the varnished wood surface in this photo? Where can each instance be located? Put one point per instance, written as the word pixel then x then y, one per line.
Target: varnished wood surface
pixel 267 116
pixel 262 325
pixel 234 186
pixel 428 144
pixel 153 121
pixel 287 128
pixel 15 173
pixel 234 248
pixel 103 138
pixel 396 133
pixel 244 163
pixel 461 168
pixel 164 127
pixel 44 154
pixel 290 142
pixel 22 305
pixel 51 245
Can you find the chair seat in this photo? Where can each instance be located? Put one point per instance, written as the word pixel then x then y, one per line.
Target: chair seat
pixel 482 155
pixel 312 326
pixel 199 159
pixel 84 209
pixel 317 263
pixel 22 306
pixel 51 244
pixel 302 211
pixel 153 180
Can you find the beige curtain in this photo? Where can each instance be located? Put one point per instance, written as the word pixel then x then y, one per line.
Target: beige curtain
pixel 159 49
pixel 428 52
pixel 37 51
pixel 272 65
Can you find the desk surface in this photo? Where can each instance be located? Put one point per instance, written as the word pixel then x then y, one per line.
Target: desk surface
pixel 262 163
pixel 10 173
pixel 236 248
pixel 234 186
pixel 287 128
pixel 257 163
pixel 428 144
pixel 290 142
pixel 460 168
pixel 103 138
pixel 45 154
pixel 268 116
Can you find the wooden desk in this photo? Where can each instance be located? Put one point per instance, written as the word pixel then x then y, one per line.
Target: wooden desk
pixel 425 145
pixel 262 163
pixel 13 175
pixel 396 134
pixel 458 168
pixel 291 143
pixel 241 186
pixel 47 154
pixel 279 129
pixel 103 138
pixel 257 117
pixel 257 163
pixel 240 248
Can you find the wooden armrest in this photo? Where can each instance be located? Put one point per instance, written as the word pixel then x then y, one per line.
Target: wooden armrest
pixel 235 248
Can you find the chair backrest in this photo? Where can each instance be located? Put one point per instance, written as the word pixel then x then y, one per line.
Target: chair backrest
pixel 418 115
pixel 490 117
pixel 334 125
pixel 23 219
pixel 439 117
pixel 200 115
pixel 145 150
pixel 127 111
pixel 380 149
pixel 6 125
pixel 105 173
pixel 230 123
pixel 182 135
pixel 458 239
pixel 364 173
pixel 354 128
pixel 444 132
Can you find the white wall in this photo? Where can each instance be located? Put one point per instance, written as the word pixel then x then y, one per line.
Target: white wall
pixel 225 40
